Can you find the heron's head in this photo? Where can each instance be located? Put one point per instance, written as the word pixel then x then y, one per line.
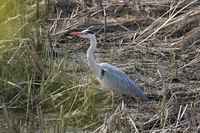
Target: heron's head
pixel 85 34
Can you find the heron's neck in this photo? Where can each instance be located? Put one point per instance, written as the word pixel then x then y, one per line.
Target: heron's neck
pixel 91 62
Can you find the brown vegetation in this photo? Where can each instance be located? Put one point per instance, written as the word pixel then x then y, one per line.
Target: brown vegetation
pixel 155 42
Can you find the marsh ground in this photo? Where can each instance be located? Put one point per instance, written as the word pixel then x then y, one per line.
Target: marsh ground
pixel 155 42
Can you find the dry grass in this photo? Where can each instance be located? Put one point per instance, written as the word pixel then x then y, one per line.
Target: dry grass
pixel 156 43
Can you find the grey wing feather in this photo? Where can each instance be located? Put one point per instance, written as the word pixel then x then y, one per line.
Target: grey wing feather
pixel 117 80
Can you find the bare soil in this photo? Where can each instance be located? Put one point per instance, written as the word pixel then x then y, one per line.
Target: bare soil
pixel 155 42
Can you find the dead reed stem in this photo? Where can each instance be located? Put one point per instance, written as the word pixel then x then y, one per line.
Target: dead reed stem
pixel 5 113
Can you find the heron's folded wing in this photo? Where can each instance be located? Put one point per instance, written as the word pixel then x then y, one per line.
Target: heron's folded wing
pixel 117 80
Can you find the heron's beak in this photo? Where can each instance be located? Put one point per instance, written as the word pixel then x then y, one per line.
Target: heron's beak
pixel 77 33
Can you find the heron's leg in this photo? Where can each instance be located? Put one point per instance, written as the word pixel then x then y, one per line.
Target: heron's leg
pixel 113 102
pixel 125 99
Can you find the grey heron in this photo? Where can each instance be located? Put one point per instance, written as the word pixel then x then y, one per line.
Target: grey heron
pixel 110 76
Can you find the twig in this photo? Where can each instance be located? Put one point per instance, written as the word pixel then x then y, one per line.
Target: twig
pixel 5 113
pixel 178 117
pixel 133 124
pixel 105 22
pixel 55 23
pixel 167 21
pixel 37 9
pixel 40 119
pixel 62 125
pixel 121 25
